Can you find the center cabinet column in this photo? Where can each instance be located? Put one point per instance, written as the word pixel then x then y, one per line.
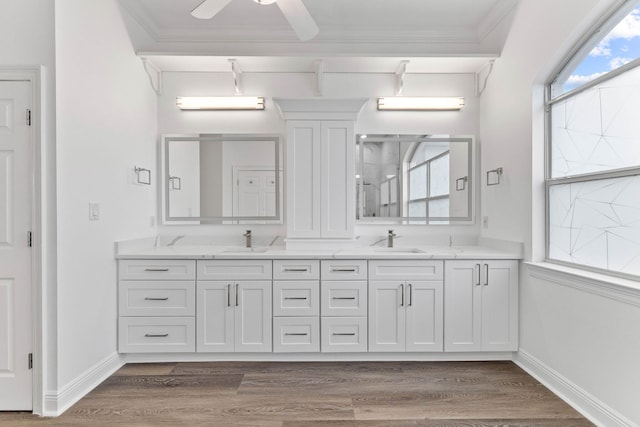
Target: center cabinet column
pixel 320 169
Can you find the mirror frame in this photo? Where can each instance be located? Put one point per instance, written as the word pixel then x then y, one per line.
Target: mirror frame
pixel 205 220
pixel 471 182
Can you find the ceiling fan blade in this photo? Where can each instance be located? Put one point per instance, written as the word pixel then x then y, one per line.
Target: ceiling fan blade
pixel 299 18
pixel 209 8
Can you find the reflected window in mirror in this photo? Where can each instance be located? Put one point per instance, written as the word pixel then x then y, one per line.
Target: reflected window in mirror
pixel 415 179
pixel 230 179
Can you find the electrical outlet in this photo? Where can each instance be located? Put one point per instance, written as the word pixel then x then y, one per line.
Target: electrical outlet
pixel 485 222
pixel 94 211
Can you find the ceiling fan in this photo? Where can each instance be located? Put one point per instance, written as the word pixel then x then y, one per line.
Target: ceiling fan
pixel 293 10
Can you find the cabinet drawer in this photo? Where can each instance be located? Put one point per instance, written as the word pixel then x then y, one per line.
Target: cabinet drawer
pixel 296 334
pixel 344 270
pixel 344 334
pixel 348 298
pixel 157 298
pixel 156 334
pixel 234 270
pixel 156 269
pixel 405 270
pixel 296 298
pixel 296 269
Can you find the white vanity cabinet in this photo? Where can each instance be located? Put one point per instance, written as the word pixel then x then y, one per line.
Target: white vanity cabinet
pixel 481 305
pixel 296 306
pixel 234 306
pixel 343 291
pixel 320 179
pixel 156 306
pixel 406 306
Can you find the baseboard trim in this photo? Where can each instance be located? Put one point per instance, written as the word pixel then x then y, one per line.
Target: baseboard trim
pixel 582 401
pixel 56 402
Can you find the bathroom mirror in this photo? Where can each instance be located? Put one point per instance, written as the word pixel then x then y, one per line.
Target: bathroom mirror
pixel 230 179
pixel 415 179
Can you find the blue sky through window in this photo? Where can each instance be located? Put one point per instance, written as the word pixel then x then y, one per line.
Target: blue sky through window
pixel 619 47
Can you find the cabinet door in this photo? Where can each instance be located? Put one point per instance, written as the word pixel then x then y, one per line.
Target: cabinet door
pixel 462 306
pixel 215 316
pixel 424 315
pixel 303 178
pixel 386 316
pixel 337 188
pixel 253 316
pixel 499 305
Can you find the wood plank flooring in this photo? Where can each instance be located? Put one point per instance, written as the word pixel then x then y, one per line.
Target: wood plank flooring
pixel 344 394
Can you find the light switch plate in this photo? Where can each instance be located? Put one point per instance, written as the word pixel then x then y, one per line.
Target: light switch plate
pixel 94 211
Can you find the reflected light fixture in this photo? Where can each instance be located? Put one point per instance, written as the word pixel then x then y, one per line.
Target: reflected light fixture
pixel 220 102
pixel 420 103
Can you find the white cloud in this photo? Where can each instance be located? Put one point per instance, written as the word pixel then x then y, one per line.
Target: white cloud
pixel 627 29
pixel 577 79
pixel 619 62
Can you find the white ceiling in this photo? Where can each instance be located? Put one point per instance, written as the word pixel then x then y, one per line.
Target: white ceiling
pixel 435 36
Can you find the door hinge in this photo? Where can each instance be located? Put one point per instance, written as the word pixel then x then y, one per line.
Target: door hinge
pixel 30 360
pixel 29 238
pixel 28 117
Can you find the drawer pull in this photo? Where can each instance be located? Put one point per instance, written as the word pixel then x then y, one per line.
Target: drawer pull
pixel 296 270
pixel 157 269
pixel 156 335
pixel 296 298
pixel 156 299
pixel 351 298
pixel 344 270
pixel 298 334
pixel 345 334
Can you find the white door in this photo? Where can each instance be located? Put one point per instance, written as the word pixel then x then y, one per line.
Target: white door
pixel 15 254
pixel 386 316
pixel 253 316
pixel 462 306
pixel 500 305
pixel 215 316
pixel 424 315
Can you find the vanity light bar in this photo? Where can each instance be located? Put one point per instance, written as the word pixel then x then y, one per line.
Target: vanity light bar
pixel 220 102
pixel 409 103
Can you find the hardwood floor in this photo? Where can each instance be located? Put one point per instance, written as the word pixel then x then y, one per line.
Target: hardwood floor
pixel 316 394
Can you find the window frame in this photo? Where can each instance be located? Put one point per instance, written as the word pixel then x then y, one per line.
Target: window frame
pixel 575 56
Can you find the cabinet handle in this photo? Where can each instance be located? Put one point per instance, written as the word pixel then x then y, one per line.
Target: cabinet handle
pixel 157 269
pixel 478 267
pixel 237 303
pixel 486 274
pixel 350 334
pixel 344 270
pixel 410 295
pixel 296 334
pixel 402 297
pixel 296 298
pixel 229 295
pixel 350 298
pixel 296 270
pixel 156 335
pixel 156 299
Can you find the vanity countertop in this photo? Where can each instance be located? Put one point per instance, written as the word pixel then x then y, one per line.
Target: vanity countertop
pixel 280 252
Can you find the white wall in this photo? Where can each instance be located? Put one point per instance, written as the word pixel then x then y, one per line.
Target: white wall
pixel 581 338
pixel 27 34
pixel 106 125
pixel 300 85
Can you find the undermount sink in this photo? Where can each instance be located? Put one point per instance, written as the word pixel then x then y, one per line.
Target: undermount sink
pixel 245 250
pixel 399 250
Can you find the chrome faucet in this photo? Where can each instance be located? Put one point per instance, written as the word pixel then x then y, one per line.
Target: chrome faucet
pixel 390 237
pixel 248 236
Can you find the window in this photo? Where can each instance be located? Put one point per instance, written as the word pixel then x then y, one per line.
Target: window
pixel 429 182
pixel 593 156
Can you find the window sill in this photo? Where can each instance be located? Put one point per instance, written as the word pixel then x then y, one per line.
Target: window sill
pixel 624 290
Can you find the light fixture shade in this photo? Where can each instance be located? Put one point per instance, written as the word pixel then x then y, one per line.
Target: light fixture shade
pixel 413 103
pixel 220 102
